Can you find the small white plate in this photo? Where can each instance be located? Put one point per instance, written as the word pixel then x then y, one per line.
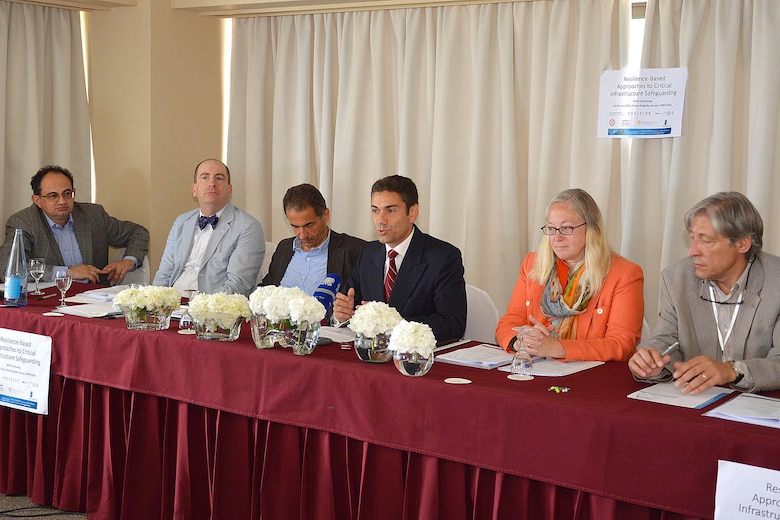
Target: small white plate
pixel 457 381
pixel 52 314
pixel 519 377
pixel 186 331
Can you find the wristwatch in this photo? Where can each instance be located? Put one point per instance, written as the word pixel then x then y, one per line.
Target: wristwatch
pixel 737 371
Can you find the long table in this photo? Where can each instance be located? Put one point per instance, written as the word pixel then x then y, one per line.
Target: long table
pixel 146 425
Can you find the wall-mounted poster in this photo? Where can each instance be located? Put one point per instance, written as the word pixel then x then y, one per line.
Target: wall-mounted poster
pixel 644 103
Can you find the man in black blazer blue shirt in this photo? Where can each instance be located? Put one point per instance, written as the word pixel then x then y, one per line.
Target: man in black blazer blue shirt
pixel 306 210
pixel 429 286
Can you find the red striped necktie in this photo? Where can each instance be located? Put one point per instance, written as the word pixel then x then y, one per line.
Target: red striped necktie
pixel 392 273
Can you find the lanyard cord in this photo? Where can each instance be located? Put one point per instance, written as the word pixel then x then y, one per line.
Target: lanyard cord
pixel 721 339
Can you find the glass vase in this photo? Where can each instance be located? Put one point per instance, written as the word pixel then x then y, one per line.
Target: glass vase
pixel 373 349
pixel 218 326
pixel 143 319
pixel 302 337
pixel 412 363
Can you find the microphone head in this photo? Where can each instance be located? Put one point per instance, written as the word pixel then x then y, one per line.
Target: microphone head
pixel 326 292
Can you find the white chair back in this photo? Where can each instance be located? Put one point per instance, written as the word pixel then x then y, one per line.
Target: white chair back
pixel 270 247
pixel 141 276
pixel 482 316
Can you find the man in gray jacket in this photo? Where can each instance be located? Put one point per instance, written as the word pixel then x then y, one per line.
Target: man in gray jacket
pixel 215 247
pixel 719 321
pixel 75 235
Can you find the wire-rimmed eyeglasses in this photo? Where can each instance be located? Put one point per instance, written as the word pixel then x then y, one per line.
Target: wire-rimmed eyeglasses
pixel 740 301
pixel 51 197
pixel 563 230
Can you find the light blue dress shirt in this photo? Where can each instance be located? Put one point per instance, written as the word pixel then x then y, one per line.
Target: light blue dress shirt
pixel 66 240
pixel 307 269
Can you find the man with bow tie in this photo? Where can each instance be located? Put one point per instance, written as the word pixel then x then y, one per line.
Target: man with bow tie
pixel 217 247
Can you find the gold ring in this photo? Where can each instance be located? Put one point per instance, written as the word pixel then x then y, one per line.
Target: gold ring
pixel 704 376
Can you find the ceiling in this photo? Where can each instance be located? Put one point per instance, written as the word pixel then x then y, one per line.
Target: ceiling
pixel 239 8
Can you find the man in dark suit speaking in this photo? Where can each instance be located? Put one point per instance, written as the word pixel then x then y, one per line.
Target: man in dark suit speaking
pixel 73 234
pixel 417 274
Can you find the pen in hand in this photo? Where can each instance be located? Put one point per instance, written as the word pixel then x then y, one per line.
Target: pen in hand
pixel 670 348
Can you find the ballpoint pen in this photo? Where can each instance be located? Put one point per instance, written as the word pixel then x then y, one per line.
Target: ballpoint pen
pixel 670 348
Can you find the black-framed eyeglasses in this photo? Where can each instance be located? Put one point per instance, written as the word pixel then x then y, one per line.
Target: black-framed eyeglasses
pixel 51 197
pixel 742 292
pixel 563 230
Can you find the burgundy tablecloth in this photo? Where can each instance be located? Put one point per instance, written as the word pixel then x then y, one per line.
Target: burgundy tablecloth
pixel 159 425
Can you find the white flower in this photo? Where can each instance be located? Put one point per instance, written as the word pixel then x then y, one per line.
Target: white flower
pixel 221 308
pixel 150 297
pixel 410 336
pixel 286 303
pixel 374 318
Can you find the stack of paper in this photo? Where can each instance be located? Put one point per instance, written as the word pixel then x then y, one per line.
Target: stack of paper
pixel 90 310
pixel 751 409
pixel 480 356
pixel 667 393
pixel 102 294
pixel 554 368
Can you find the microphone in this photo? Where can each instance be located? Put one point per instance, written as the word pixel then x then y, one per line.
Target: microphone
pixel 326 292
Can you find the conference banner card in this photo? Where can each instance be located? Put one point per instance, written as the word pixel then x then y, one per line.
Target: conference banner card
pixel 25 363
pixel 642 103
pixel 745 492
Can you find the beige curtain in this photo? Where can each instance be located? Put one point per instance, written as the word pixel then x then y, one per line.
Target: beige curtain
pixel 491 109
pixel 44 116
pixel 730 126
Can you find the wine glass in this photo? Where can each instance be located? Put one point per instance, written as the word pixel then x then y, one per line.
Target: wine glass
pixel 186 323
pixel 63 280
pixel 37 268
pixel 522 364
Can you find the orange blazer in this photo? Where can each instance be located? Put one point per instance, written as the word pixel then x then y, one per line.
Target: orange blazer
pixel 611 325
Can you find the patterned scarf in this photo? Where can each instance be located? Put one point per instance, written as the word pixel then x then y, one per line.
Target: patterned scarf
pixel 563 306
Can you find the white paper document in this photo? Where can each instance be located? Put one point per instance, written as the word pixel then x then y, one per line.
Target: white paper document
pixel 479 356
pixel 338 334
pixel 751 409
pixel 90 310
pixel 667 393
pixel 745 492
pixel 103 294
pixel 554 368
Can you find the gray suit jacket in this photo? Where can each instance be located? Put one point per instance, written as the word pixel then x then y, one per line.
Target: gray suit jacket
pixel 686 318
pixel 343 251
pixel 95 230
pixel 232 257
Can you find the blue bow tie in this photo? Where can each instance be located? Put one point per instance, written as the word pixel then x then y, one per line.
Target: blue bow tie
pixel 204 221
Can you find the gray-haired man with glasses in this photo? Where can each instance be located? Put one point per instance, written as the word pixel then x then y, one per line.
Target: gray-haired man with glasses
pixel 719 322
pixel 75 235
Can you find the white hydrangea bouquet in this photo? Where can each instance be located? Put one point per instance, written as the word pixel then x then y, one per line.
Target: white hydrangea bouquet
pixel 278 304
pixel 374 318
pixel 411 337
pixel 412 346
pixel 373 322
pixel 287 316
pixel 149 297
pixel 147 307
pixel 219 316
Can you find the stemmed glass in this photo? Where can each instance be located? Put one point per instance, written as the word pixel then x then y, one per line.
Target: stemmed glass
pixel 37 268
pixel 63 280
pixel 186 324
pixel 522 364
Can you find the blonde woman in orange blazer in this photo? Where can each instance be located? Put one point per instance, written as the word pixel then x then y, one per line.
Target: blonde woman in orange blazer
pixel 575 299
